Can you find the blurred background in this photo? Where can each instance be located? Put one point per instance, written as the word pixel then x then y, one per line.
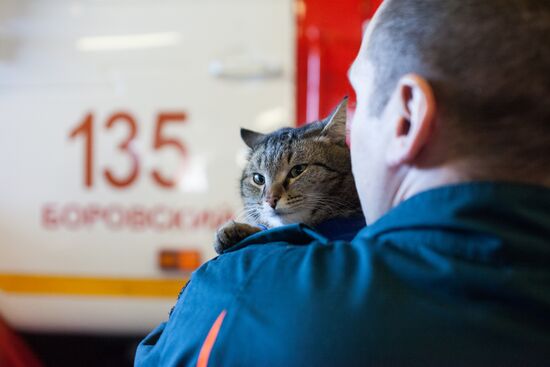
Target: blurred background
pixel 120 151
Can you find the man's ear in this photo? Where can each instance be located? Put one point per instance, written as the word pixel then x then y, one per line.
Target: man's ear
pixel 251 138
pixel 413 118
pixel 335 123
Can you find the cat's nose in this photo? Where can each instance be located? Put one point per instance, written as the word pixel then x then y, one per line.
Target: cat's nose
pixel 272 201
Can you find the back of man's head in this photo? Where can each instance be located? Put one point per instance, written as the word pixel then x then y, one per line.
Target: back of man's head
pixel 488 62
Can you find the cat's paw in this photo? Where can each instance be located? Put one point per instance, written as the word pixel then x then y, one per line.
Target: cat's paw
pixel 232 233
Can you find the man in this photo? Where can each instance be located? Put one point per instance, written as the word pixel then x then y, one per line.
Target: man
pixel 451 155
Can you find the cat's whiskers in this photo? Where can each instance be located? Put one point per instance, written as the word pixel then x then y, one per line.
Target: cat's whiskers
pixel 248 214
pixel 243 213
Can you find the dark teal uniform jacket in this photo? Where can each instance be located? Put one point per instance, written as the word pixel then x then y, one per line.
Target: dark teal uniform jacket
pixel 456 276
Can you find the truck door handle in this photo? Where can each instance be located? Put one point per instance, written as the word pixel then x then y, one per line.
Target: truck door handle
pixel 244 69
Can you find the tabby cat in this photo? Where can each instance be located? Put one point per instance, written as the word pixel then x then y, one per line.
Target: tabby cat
pixel 295 175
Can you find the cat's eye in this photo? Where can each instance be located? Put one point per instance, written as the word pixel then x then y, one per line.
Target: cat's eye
pixel 297 170
pixel 258 179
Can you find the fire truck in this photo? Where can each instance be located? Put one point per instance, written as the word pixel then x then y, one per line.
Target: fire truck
pixel 120 148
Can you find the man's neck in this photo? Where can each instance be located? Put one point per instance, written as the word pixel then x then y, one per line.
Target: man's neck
pixel 416 181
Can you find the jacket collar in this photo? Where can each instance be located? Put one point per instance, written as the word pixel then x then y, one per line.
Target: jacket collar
pixel 485 221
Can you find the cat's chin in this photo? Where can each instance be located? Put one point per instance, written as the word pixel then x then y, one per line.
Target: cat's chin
pixel 284 218
pixel 274 221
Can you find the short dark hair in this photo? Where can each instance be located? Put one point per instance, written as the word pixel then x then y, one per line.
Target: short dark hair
pixel 488 62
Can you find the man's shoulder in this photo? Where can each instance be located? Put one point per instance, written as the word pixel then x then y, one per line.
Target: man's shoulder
pixel 289 248
pixel 293 267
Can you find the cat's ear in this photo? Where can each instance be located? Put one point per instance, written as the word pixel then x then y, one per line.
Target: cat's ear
pixel 335 123
pixel 251 138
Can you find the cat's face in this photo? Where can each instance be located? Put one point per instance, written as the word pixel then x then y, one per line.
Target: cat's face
pixel 299 175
